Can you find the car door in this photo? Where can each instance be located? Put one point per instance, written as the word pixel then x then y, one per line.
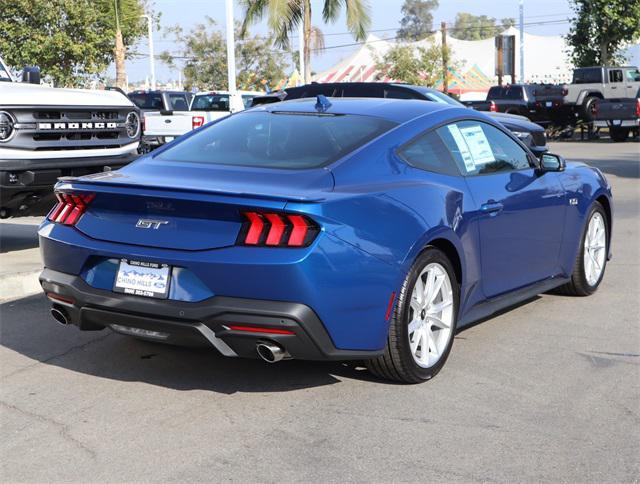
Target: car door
pixel 616 86
pixel 520 212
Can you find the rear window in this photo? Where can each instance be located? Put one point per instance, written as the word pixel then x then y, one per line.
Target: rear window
pixel 278 140
pixel 509 92
pixel 587 76
pixel 211 102
pixel 147 100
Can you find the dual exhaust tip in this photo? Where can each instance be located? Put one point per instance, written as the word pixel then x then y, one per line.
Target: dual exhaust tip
pixel 269 352
pixel 60 316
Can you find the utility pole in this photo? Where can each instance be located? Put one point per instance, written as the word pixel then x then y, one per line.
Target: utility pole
pixel 152 65
pixel 301 65
pixel 445 59
pixel 521 41
pixel 231 56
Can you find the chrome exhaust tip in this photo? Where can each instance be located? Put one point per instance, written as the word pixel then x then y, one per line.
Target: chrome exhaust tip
pixel 59 316
pixel 270 352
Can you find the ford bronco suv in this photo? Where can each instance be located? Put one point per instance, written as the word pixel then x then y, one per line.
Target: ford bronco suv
pixel 46 133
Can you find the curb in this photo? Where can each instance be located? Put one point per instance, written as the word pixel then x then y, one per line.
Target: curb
pixel 19 285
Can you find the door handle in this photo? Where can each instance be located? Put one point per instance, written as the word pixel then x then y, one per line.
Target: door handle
pixel 491 207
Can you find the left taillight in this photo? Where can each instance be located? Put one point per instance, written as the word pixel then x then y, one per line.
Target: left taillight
pixel 276 229
pixel 70 207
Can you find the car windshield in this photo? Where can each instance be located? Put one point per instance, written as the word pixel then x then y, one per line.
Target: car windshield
pixel 439 97
pixel 210 102
pixel 282 139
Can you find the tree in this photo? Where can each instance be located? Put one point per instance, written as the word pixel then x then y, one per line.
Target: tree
pixel 285 16
pixel 205 58
pixel 70 40
pixel 477 27
pixel 125 20
pixel 421 66
pixel 600 28
pixel 417 20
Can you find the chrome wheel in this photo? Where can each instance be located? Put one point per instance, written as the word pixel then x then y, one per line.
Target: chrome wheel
pixel 595 244
pixel 430 315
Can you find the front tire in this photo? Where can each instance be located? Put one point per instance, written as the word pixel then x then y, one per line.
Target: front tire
pixel 423 325
pixel 592 257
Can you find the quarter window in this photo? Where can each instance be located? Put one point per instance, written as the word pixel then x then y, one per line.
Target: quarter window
pixel 428 152
pixel 480 149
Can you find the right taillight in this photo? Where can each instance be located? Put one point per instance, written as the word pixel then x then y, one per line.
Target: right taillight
pixel 197 121
pixel 70 207
pixel 273 229
pixel 493 108
pixel 638 107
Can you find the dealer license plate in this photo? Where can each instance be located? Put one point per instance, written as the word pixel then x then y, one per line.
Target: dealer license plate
pixel 143 279
pixel 548 104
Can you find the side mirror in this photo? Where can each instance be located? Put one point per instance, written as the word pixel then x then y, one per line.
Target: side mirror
pixel 551 162
pixel 31 74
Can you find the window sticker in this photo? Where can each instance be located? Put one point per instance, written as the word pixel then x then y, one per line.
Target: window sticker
pixel 478 145
pixel 462 146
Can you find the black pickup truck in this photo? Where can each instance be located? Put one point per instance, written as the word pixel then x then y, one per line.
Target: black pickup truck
pixel 621 116
pixel 540 103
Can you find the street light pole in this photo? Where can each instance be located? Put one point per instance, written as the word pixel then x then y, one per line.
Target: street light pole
pixel 231 54
pixel 301 65
pixel 152 66
pixel 521 41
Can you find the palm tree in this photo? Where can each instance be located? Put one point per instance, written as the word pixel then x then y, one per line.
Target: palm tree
pixel 285 16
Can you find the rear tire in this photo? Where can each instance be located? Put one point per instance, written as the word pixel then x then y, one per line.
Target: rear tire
pixel 583 284
pixel 619 134
pixel 588 110
pixel 421 331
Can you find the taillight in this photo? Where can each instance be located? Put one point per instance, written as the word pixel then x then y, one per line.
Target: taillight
pixel 197 121
pixel 565 92
pixel 638 107
pixel 273 229
pixel 143 124
pixel 70 207
pixel 493 108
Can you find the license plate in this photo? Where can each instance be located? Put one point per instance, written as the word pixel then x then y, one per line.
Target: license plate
pixel 616 122
pixel 143 279
pixel 169 139
pixel 548 104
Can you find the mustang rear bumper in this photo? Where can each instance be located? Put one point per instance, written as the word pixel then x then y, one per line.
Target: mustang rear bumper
pixel 208 322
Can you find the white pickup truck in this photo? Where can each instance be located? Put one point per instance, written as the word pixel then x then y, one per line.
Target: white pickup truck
pixel 46 133
pixel 164 126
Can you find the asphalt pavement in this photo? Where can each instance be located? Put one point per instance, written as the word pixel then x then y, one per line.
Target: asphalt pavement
pixel 549 391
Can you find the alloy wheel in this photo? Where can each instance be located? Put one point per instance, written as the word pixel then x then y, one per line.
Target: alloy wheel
pixel 430 315
pixel 594 249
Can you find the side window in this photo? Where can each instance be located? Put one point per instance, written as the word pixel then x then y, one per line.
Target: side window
pixel 398 93
pixel 615 75
pixel 633 76
pixel 428 152
pixel 480 149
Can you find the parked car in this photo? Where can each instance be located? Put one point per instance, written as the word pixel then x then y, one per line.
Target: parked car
pixel 537 102
pixel 530 133
pixel 593 83
pixel 156 101
pixel 621 116
pixel 367 229
pixel 46 133
pixel 164 126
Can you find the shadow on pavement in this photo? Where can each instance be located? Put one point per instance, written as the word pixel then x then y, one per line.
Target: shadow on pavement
pixel 18 236
pixel 28 329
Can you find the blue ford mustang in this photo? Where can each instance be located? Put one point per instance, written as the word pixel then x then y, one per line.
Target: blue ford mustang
pixel 325 229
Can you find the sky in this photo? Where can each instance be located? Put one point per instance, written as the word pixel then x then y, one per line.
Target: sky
pixel 385 19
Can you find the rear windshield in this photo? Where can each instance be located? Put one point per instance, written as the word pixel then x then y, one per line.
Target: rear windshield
pixel 509 92
pixel 278 140
pixel 147 100
pixel 210 102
